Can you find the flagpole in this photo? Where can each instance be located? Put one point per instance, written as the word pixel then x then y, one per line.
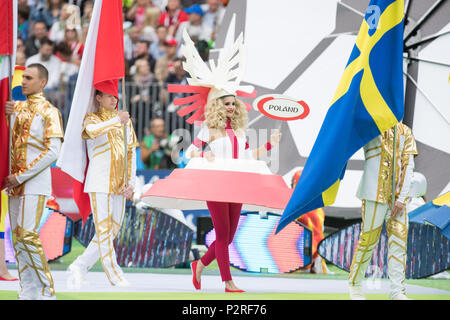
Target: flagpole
pixel 125 138
pixel 394 152
pixel 9 116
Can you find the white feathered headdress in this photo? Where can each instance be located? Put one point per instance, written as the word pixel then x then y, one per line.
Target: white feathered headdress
pixel 211 82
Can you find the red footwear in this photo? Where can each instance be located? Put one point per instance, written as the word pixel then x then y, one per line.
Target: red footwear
pixel 4 279
pixel 197 284
pixel 229 290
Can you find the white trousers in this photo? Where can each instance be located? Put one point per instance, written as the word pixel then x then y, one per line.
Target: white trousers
pixel 373 216
pixel 107 211
pixel 25 215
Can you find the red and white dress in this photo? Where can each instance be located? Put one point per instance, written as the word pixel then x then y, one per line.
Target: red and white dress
pixel 233 177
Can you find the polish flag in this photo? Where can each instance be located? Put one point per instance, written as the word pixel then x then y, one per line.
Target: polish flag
pixel 8 42
pixel 102 65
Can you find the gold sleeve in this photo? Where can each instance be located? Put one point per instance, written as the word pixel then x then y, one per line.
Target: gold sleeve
pixel 131 154
pixel 410 146
pixel 18 105
pixel 94 127
pixel 53 127
pixel 132 140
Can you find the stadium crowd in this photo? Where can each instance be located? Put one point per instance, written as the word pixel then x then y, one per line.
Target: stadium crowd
pixel 53 33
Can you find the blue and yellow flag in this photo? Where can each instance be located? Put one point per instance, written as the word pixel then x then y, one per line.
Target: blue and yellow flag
pixel 16 87
pixel 367 102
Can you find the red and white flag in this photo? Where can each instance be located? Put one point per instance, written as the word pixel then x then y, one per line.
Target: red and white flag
pixel 102 65
pixel 8 42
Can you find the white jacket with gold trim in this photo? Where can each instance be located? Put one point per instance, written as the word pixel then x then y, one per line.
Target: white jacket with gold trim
pixel 103 133
pixel 36 140
pixel 376 182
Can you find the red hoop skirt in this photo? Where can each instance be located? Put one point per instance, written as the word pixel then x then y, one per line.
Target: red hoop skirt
pixel 221 181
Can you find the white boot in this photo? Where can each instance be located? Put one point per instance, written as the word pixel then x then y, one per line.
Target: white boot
pixel 27 296
pixel 123 283
pixel 47 297
pixel 76 277
pixel 320 267
pixel 356 292
pixel 399 296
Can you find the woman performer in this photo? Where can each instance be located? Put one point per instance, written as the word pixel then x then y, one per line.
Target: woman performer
pixel 227 178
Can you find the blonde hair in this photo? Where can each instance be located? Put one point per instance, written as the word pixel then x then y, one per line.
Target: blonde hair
pixel 139 64
pixel 216 118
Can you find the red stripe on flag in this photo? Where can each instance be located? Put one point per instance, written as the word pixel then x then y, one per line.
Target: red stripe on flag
pixel 6 27
pixel 109 54
pixel 81 198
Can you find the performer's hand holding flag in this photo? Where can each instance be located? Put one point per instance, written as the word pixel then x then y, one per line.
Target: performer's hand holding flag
pixel 102 65
pixel 8 42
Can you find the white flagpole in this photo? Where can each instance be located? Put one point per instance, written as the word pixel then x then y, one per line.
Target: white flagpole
pixel 394 151
pixel 12 59
pixel 125 137
pixel 10 117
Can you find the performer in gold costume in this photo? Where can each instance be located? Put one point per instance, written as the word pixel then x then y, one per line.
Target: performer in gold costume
pixel 106 184
pixel 36 139
pixel 375 191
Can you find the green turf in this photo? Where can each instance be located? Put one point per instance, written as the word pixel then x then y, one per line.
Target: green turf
pixel 9 295
pixel 77 249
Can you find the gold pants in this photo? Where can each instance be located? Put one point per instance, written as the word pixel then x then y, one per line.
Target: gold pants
pixel 34 273
pixel 373 216
pixel 107 212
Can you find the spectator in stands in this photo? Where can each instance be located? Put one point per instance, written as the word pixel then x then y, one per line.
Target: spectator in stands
pixel 142 79
pixel 173 16
pixel 148 33
pixel 177 75
pixel 72 40
pixel 158 48
pixel 84 32
pixel 130 39
pixel 49 13
pixel 68 72
pixel 68 68
pixel 32 44
pixel 143 13
pixel 194 27
pixel 142 52
pixel 213 14
pixel 50 61
pixel 203 49
pixel 88 6
pixel 156 148
pixel 161 4
pixel 23 12
pixel 127 4
pixel 20 45
pixel 21 58
pixel 70 16
pixel 164 63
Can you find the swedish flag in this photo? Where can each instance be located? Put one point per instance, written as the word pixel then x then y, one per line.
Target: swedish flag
pixel 367 102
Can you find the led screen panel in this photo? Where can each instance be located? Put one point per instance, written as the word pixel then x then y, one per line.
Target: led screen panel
pixel 256 248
